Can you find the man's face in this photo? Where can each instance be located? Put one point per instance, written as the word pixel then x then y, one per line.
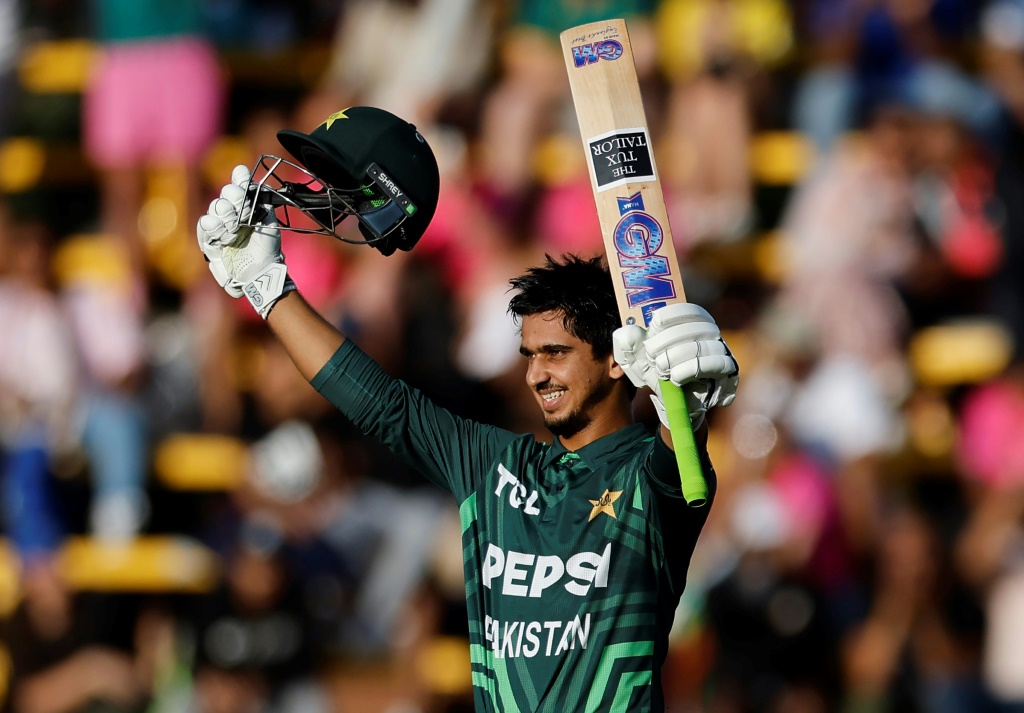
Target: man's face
pixel 567 380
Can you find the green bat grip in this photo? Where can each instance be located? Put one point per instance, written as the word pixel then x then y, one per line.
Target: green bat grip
pixel 695 488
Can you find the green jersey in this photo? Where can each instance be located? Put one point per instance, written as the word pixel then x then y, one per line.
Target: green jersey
pixel 574 561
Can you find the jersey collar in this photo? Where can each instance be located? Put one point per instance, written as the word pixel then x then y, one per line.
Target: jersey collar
pixel 594 453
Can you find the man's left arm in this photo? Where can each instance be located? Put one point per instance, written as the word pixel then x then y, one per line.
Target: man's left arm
pixel 678 525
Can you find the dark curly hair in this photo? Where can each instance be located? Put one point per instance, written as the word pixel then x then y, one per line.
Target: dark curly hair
pixel 580 288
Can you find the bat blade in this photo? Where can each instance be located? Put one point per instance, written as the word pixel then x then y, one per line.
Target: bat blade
pixel 630 202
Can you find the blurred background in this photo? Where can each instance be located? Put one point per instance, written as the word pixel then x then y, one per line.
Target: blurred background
pixel 188 527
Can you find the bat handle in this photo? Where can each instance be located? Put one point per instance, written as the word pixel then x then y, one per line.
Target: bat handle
pixel 695 487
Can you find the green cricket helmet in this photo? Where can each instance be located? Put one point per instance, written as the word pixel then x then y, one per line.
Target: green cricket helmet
pixel 365 162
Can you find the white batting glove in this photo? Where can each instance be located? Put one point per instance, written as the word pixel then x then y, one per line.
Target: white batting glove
pixel 244 260
pixel 683 345
pixel 631 354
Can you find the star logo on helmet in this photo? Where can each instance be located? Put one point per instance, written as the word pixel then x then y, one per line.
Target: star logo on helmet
pixel 335 116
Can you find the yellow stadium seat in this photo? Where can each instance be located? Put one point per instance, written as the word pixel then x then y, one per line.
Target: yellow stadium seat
pixel 201 462
pixel 91 258
pixel 10 571
pixel 226 153
pixel 443 666
pixel 146 564
pixel 559 158
pixel 967 352
pixel 761 30
pixel 769 257
pixel 57 66
pixel 780 158
pixel 6 669
pixel 22 161
pixel 166 228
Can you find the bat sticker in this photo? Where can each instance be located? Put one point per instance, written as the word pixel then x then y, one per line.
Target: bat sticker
pixel 622 156
pixel 590 53
pixel 634 202
pixel 646 275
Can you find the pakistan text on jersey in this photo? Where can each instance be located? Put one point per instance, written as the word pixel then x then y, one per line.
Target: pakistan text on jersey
pixel 515 639
pixel 524 574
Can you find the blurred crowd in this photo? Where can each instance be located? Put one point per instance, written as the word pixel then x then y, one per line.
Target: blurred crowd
pixel 845 181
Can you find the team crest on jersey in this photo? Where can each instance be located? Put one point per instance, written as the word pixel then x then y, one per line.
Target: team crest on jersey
pixel 605 504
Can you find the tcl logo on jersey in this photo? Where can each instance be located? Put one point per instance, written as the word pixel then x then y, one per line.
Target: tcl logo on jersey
pixel 518 496
pixel 527 575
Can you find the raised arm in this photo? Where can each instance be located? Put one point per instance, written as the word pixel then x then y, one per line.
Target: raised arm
pixel 309 339
pixel 247 261
pixel 362 163
pixel 683 345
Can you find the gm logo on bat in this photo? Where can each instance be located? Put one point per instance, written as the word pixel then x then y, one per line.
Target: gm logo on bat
pixel 638 237
pixel 588 54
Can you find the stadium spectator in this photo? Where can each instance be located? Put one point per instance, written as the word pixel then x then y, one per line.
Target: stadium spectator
pixel 256 644
pixel 73 652
pixel 39 388
pixel 155 99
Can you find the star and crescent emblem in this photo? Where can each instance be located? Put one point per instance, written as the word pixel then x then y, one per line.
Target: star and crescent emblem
pixel 605 504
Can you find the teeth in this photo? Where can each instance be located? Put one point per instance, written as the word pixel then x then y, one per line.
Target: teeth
pixel 552 396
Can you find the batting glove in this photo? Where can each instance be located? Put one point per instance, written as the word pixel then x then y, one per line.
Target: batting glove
pixel 244 260
pixel 683 345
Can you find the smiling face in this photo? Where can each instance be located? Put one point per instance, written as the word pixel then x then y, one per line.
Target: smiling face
pixel 575 389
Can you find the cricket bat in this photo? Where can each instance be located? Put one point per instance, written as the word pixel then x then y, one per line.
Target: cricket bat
pixel 630 203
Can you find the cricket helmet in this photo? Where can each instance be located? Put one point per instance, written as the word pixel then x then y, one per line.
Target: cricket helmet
pixel 373 165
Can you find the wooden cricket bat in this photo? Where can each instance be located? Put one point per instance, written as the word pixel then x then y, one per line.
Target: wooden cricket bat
pixel 630 202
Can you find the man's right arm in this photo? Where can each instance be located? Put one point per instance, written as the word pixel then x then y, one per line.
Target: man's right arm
pixel 247 261
pixel 309 339
pixel 450 451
